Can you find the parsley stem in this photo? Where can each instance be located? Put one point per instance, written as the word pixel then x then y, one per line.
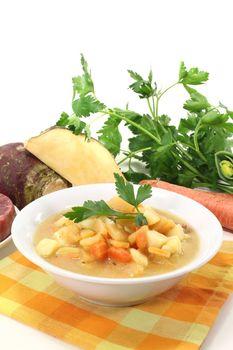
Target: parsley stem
pixel 183 151
pixel 201 184
pixel 129 165
pixel 150 108
pixel 153 103
pixel 158 97
pixel 157 107
pixel 195 141
pixel 156 120
pixel 225 188
pixel 189 166
pixel 132 154
pixel 187 145
pixel 138 126
pixel 169 87
pixel 97 118
pixel 155 117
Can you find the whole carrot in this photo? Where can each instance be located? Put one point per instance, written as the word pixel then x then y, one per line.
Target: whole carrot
pixel 221 204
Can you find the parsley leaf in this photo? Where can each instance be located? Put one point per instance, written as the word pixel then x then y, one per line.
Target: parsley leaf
pixel 86 105
pixel 230 113
pixel 135 177
pixel 162 162
pixel 197 101
pixel 215 142
pixel 95 208
pixel 72 122
pixel 188 124
pixel 110 135
pixel 100 208
pixel 83 84
pixel 87 132
pixel 125 191
pixel 213 117
pixel 77 127
pixel 144 192
pixel 64 119
pixel 132 116
pixel 182 71
pixel 141 86
pixel 192 77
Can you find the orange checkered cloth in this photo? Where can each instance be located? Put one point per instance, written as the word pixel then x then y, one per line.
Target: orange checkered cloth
pixel 178 319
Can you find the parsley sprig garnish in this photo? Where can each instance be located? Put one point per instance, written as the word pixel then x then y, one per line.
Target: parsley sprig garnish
pixel 125 191
pixel 196 153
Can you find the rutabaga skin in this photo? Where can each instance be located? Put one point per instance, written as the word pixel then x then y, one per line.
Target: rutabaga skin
pixel 23 177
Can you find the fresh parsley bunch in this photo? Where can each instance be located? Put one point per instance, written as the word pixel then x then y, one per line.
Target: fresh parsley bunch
pixel 125 191
pixel 197 153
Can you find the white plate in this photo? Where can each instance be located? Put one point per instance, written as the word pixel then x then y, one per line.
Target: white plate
pixel 5 241
pixel 8 239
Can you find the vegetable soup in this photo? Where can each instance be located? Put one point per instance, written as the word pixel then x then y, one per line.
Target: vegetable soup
pixel 117 248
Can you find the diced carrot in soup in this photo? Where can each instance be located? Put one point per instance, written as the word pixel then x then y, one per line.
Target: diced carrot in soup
pixel 99 250
pixel 119 254
pixel 141 240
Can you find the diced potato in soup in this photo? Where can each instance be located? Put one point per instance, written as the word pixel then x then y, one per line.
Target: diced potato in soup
pixel 102 246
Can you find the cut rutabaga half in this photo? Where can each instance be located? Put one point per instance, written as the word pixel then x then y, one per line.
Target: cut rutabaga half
pixel 77 160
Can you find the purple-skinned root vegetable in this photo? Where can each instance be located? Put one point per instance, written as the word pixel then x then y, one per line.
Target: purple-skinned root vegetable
pixel 24 178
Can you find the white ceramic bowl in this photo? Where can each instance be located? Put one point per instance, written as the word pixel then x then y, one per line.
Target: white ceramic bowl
pixel 116 291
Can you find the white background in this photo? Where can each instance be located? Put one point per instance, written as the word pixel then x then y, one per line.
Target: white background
pixel 41 42
pixel 40 46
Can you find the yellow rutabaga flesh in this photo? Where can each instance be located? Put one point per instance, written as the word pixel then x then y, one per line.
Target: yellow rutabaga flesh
pixel 77 160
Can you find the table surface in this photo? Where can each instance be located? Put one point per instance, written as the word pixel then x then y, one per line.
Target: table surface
pixel 219 337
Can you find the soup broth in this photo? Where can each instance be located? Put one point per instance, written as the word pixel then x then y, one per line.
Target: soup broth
pixel 80 259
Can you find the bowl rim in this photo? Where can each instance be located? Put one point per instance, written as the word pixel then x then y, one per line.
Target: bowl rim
pixel 52 269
